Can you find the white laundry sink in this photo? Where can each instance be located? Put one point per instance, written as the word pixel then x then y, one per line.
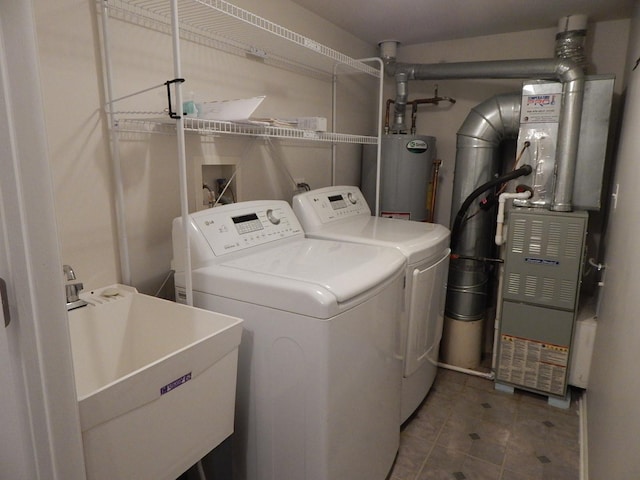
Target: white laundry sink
pixel 156 382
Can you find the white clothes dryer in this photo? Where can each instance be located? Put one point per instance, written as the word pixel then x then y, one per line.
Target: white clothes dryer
pixel 319 376
pixel 341 213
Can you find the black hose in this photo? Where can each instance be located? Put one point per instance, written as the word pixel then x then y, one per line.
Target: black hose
pixel 457 223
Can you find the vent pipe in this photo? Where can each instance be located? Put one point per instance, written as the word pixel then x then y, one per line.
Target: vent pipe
pixel 477 162
pixel 572 31
pixel 565 70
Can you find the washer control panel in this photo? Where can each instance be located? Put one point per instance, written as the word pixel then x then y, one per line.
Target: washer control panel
pixel 244 225
pixel 329 204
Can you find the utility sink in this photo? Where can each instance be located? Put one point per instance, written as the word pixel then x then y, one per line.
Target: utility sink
pixel 156 382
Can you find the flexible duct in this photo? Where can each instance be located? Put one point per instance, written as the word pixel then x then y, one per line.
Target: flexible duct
pixel 570 38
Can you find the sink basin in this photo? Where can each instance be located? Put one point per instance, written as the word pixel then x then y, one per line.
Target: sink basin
pixel 156 382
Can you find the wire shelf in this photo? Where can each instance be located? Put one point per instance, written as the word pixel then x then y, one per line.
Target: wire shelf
pixel 213 127
pixel 221 25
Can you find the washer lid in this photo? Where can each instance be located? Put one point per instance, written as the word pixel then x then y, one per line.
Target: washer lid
pixel 308 276
pixel 416 240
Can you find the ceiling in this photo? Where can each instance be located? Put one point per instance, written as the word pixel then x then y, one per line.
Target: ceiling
pixel 421 21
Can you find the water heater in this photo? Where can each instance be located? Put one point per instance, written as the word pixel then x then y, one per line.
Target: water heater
pixel 405 173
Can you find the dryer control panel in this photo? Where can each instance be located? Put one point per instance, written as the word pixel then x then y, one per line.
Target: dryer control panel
pixel 325 205
pixel 238 226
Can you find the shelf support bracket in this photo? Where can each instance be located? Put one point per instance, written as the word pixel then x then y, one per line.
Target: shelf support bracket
pixel 168 83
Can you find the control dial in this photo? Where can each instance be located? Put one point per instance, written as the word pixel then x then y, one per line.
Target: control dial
pixel 273 218
pixel 352 198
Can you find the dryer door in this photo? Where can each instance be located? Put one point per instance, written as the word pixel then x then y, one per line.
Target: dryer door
pixel 426 312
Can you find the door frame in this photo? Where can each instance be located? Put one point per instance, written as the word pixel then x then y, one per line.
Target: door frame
pixel 43 410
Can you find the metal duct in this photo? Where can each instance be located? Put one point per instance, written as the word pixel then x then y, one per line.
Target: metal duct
pixel 402 97
pixel 477 162
pixel 570 38
pixel 565 70
pixel 486 126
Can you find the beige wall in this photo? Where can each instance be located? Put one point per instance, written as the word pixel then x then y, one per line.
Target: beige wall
pixel 73 90
pixel 606 48
pixel 613 415
pixel 84 185
pixel 614 389
pixel 82 174
pixel 83 182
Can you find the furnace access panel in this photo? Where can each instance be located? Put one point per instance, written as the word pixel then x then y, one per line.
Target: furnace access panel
pixel 542 272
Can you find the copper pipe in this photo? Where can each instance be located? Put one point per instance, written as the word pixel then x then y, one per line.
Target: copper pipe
pixel 414 109
pixel 386 115
pixel 434 190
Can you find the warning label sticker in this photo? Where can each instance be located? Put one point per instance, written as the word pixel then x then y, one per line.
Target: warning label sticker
pixel 533 364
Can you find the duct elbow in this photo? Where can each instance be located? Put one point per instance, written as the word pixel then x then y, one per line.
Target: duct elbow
pixel 493 120
pixel 569 71
pixel 400 103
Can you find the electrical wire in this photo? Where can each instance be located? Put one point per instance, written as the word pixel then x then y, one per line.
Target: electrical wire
pixel 164 283
pixel 460 216
pixel 525 146
pixel 212 195
pixel 235 172
pixel 456 256
pixel 503 187
pixel 233 195
pixel 280 162
pixel 227 186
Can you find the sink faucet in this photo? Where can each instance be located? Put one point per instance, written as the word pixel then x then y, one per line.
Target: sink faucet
pixel 72 288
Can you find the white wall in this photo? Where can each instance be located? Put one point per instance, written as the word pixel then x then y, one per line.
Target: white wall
pixel 73 91
pixel 614 389
pixel 605 49
pixel 39 424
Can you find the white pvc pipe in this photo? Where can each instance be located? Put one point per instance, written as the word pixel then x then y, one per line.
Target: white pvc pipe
pixel 388 48
pixel 500 241
pixel 572 22
pixel 497 319
pixel 500 218
pixel 584 439
pixel 468 371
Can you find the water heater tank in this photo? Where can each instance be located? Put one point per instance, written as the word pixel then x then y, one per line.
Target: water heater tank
pixel 405 173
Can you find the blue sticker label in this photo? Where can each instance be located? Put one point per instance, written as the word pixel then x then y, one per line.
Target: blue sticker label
pixel 175 384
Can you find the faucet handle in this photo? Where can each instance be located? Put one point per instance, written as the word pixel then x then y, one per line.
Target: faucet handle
pixel 72 291
pixel 69 274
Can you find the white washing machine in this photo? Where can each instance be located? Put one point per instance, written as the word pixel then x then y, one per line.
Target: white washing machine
pixel 318 376
pixel 341 213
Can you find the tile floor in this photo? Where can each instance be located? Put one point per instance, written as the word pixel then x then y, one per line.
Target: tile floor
pixel 466 430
